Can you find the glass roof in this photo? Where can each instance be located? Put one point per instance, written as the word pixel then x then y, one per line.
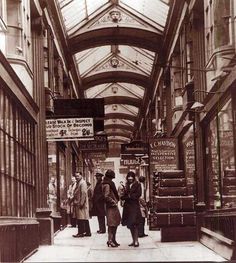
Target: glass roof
pixel 156 10
pixel 138 58
pixel 122 89
pixel 75 12
pixel 81 16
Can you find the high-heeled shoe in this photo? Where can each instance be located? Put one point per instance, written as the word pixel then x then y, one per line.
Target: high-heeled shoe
pixel 111 243
pixel 117 244
pixel 136 244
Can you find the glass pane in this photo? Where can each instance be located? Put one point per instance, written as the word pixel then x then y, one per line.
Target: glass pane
pixel 221 22
pixel 189 157
pixel 227 156
pixel 213 167
pixel 155 10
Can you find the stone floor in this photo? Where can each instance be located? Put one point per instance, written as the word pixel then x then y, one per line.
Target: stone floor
pixel 94 249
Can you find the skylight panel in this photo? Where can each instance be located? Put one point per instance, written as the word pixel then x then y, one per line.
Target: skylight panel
pixel 156 10
pixel 93 5
pixel 92 58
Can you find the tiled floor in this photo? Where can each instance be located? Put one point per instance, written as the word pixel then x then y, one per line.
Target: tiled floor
pixel 94 249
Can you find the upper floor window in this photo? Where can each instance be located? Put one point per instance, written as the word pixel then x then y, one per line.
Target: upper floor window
pixel 217 25
pixel 19 29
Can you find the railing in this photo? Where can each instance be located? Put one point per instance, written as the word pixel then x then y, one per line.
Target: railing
pixel 222 222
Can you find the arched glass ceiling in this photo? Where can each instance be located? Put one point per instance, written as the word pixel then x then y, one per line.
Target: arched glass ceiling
pixel 115 89
pixel 75 12
pixel 121 108
pixel 156 10
pixel 130 58
pixel 118 122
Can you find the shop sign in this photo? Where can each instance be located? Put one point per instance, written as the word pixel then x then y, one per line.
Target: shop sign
pixel 98 143
pixel 164 154
pixel 130 160
pixel 135 147
pixel 97 155
pixel 69 129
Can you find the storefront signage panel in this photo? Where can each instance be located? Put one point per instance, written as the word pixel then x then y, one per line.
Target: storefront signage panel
pixel 135 147
pixel 69 129
pixel 164 154
pixel 98 143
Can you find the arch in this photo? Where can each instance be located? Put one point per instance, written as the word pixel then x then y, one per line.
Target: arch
pixel 116 76
pixel 122 100
pixel 117 35
pixel 119 126
pixel 120 116
pixel 127 135
pixel 118 140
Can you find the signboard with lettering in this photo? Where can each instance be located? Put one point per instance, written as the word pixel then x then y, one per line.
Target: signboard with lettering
pixel 97 155
pixel 134 147
pixel 69 129
pixel 164 154
pixel 81 108
pixel 98 143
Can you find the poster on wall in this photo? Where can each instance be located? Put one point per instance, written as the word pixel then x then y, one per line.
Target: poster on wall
pixel 69 129
pixel 163 154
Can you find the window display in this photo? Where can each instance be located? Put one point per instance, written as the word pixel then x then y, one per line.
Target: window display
pixel 221 177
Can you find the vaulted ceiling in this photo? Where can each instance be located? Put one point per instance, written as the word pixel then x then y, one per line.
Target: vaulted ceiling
pixel 116 45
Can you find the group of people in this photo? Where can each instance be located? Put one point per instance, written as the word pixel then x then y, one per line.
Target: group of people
pixel 102 202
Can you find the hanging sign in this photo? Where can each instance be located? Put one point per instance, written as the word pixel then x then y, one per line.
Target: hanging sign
pixel 97 143
pixel 69 129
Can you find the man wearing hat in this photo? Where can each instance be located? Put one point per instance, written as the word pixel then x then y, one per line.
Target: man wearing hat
pixel 99 204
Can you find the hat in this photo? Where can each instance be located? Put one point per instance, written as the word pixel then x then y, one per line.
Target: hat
pixel 141 179
pixel 99 175
pixel 110 174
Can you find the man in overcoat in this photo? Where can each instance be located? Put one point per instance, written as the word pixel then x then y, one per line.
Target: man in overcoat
pixel 81 204
pixel 99 204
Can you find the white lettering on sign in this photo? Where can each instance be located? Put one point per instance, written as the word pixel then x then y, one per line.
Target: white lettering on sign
pixel 69 129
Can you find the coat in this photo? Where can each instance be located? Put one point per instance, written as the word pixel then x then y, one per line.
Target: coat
pixel 111 206
pixel 131 211
pixel 70 198
pixel 90 199
pixel 98 201
pixel 81 205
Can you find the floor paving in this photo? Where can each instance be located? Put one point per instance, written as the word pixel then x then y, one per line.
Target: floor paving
pixel 94 249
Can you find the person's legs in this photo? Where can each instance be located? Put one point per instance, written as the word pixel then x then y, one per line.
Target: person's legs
pixel 72 221
pixel 81 227
pixel 132 234
pixel 141 227
pixel 101 223
pixel 114 229
pixel 111 237
pixel 87 228
pixel 135 233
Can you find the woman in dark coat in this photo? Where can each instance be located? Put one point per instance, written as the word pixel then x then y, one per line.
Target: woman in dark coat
pixel 131 216
pixel 99 204
pixel 111 205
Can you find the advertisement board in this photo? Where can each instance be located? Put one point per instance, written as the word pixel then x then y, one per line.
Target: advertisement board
pixel 164 154
pixel 98 143
pixel 69 129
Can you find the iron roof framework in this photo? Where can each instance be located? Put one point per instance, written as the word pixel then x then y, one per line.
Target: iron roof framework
pixel 115 45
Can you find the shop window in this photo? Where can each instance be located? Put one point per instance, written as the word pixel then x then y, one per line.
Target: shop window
pixel 221 162
pixel 17 160
pixel 62 175
pixel 189 159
